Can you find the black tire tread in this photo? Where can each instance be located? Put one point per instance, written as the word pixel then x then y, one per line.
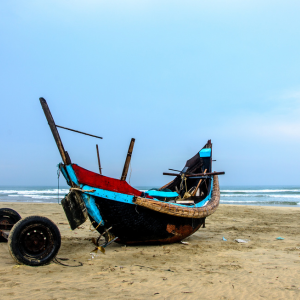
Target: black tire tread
pixel 13 235
pixel 12 213
pixel 14 216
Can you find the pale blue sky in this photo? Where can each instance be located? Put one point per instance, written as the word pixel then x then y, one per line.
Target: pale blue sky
pixel 172 74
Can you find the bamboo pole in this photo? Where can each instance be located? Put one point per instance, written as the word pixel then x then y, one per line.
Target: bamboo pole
pixel 99 164
pixel 127 161
pixel 64 155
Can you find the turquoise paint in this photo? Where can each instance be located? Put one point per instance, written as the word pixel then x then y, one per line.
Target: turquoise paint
pixel 129 198
pixel 89 197
pixel 208 197
pixel 72 174
pixel 64 173
pixel 92 208
pixel 206 152
pixel 109 195
pixel 155 193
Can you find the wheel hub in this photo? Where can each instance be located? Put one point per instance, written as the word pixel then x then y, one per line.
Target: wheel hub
pixel 36 241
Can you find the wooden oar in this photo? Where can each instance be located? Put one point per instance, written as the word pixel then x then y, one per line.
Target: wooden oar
pixel 198 184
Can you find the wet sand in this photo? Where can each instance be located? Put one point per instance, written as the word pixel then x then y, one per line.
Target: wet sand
pixel 206 268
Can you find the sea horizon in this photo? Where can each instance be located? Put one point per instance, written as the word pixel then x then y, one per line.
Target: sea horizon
pixel 257 195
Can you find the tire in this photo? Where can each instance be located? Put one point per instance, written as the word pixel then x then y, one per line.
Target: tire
pixel 8 217
pixel 34 241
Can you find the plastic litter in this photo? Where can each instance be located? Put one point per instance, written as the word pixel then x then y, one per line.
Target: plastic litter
pixel 279 238
pixel 241 241
pixel 224 239
pixel 184 243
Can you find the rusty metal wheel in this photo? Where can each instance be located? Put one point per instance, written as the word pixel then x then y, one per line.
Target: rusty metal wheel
pixel 8 217
pixel 34 241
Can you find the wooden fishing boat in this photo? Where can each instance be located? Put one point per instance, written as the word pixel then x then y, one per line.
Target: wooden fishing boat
pixel 129 216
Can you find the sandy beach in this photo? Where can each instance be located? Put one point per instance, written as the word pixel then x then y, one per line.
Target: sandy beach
pixel 206 268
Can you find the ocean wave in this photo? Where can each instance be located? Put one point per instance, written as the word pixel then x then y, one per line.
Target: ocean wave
pixel 30 192
pixel 37 196
pixel 7 191
pixel 44 197
pixel 31 201
pixel 261 191
pixel 261 202
pixel 232 201
pixel 261 196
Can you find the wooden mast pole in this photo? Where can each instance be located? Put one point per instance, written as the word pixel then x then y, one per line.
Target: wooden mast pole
pixel 64 154
pixel 127 161
pixel 99 164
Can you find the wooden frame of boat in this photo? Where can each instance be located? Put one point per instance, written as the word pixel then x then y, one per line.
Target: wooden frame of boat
pixel 181 211
pixel 132 216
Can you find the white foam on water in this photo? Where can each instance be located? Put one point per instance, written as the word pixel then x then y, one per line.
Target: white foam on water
pixel 259 191
pixel 30 192
pixel 25 192
pixel 42 197
pixel 285 196
pixel 261 196
pixel 232 201
pixel 239 195
pixel 36 196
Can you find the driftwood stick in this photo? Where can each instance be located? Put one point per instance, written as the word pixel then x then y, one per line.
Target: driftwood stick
pixel 99 164
pixel 127 161
pixel 194 193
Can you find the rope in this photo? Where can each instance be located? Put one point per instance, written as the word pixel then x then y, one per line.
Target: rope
pixel 84 191
pixel 91 229
pixel 55 260
pixel 58 174
pixel 103 233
